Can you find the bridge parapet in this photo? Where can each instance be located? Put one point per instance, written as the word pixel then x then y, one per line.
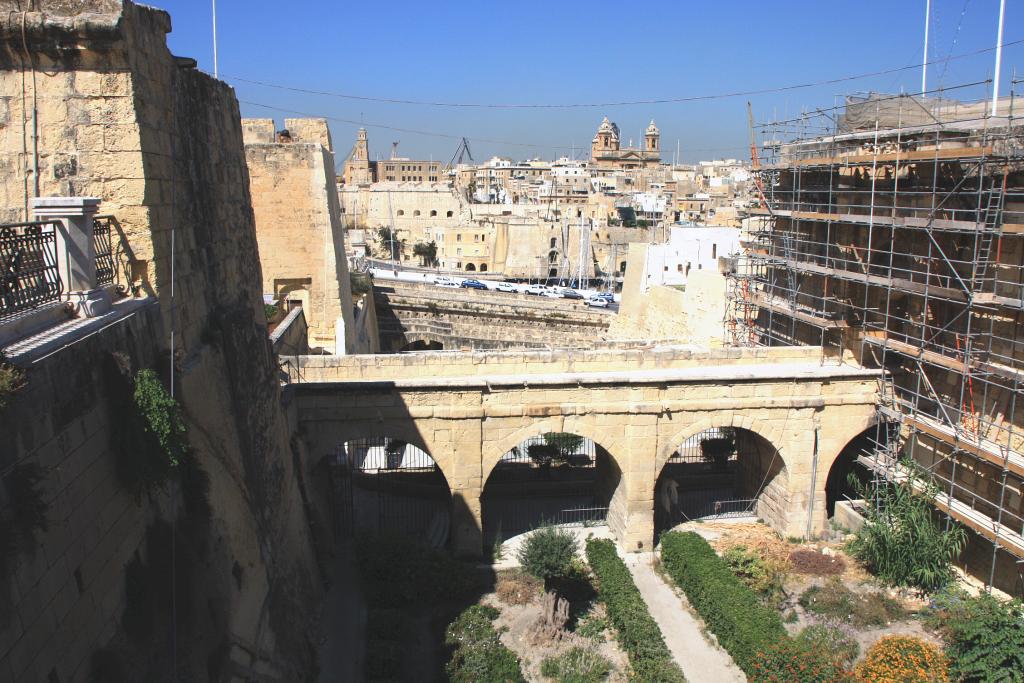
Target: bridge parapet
pixel 437 364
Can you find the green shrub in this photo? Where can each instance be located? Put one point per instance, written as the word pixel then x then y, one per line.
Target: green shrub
pixel 840 646
pixel 984 636
pixel 478 655
pixel 904 659
pixel 764 577
pixel 270 311
pixel 577 665
pixel 836 602
pixel 792 661
pixel 592 626
pixel 901 541
pixel 11 379
pixel 398 571
pixel 731 610
pixel 548 553
pixel 638 633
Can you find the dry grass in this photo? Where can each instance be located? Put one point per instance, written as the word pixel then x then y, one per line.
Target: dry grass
pixel 806 561
pixel 514 587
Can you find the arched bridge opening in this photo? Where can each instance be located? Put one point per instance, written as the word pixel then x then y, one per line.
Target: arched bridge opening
pixel 390 486
pixel 719 473
pixel 556 478
pixel 422 345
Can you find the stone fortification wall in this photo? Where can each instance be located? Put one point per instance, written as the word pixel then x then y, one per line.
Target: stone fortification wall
pixel 695 314
pixel 408 313
pixel 120 118
pixel 298 226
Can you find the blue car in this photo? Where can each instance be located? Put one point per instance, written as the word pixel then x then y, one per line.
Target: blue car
pixel 473 284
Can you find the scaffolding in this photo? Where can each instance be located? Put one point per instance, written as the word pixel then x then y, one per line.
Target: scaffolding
pixel 891 230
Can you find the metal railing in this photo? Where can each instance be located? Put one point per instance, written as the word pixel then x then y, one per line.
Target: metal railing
pixel 29 276
pixel 104 253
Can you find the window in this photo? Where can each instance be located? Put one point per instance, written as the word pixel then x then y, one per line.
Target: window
pixel 416 212
pixel 458 237
pixel 458 252
pixel 476 238
pixel 483 267
pixel 554 241
pixel 679 267
pixel 714 251
pixel 448 215
pixel 666 269
pixel 401 212
pixel 433 212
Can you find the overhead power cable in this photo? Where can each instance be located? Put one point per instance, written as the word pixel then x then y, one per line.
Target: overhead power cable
pixel 625 103
pixel 451 136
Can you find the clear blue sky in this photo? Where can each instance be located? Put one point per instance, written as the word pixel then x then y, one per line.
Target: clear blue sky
pixel 565 51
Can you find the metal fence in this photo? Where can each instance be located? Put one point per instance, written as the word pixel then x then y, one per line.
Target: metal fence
pixel 104 254
pixel 717 444
pixel 28 266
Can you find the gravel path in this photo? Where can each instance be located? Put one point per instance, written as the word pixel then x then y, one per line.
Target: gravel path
pixel 699 659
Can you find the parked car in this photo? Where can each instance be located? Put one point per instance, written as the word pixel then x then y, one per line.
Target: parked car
pixel 536 290
pixel 597 302
pixel 571 294
pixel 505 287
pixel 607 296
pixel 473 284
pixel 552 293
pixel 445 282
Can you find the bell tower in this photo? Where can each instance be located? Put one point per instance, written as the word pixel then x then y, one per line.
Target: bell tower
pixel 652 139
pixel 357 168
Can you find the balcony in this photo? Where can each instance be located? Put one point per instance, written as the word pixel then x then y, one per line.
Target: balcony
pixel 56 271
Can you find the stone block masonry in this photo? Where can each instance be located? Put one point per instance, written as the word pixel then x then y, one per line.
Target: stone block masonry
pixel 298 226
pixel 469 409
pixel 119 118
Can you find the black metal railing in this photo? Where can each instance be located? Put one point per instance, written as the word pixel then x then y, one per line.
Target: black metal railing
pixel 28 266
pixel 104 254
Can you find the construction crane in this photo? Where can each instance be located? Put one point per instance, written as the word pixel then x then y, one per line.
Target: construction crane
pixel 394 149
pixel 460 152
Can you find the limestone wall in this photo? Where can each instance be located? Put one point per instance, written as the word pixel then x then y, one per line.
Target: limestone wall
pixel 161 144
pixel 451 364
pixel 468 410
pixel 298 226
pixel 694 314
pixel 476 319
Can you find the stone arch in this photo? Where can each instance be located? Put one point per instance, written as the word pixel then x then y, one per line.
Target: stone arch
pixel 342 431
pixel 696 488
pixel 836 469
pixel 769 433
pixel 483 267
pixel 591 481
pixel 470 267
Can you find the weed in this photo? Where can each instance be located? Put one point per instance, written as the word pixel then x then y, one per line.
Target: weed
pixel 835 602
pixel 515 587
pixel 577 665
pixel 811 562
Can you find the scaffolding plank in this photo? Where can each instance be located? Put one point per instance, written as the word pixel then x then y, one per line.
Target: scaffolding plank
pixel 977 521
pixel 939 224
pixel 877 280
pixel 983 449
pixel 783 307
pixel 948 154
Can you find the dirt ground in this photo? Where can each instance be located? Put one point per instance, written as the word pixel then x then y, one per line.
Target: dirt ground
pixel 763 539
pixel 516 622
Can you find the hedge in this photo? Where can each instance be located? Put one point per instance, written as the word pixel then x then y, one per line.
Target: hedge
pixel 731 610
pixel 638 633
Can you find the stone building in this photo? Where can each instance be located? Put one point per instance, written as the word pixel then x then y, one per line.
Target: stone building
pixel 298 225
pixel 359 170
pixel 114 119
pixel 606 150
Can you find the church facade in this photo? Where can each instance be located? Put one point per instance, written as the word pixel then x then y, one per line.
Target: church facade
pixel 606 150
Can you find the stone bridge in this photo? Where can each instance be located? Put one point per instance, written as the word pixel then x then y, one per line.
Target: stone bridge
pixel 426 316
pixel 467 410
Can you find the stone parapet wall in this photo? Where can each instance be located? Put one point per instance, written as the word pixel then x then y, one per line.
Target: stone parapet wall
pixel 455 364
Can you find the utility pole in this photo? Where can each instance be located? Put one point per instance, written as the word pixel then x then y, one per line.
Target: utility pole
pixel 999 58
pixel 214 38
pixel 924 60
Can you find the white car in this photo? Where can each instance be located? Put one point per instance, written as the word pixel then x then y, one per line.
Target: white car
pixel 446 282
pixel 597 302
pixel 536 290
pixel 551 293
pixel 505 287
